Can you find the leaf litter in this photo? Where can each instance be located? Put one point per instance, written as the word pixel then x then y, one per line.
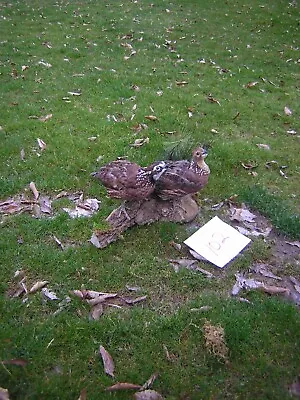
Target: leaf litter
pixel 101 301
pixel 107 360
pixel 41 206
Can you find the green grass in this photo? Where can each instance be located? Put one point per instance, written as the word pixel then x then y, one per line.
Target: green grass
pixel 240 43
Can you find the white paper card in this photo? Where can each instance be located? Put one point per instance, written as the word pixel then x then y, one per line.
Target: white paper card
pixel 218 242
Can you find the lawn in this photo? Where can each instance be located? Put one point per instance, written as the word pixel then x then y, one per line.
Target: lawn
pixel 79 81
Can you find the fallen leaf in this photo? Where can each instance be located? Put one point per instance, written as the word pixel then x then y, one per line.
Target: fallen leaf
pixel 16 291
pixel 177 246
pixel 213 100
pixel 151 117
pixel 58 242
pixel 96 312
pixel 123 386
pixel 149 382
pixel 190 265
pixel 42 145
pixel 282 174
pixel 82 395
pixel 48 294
pixel 45 204
pixel 74 93
pixel 251 84
pixel 133 288
pixel 263 270
pixel 83 209
pixel 148 395
pixel 249 165
pixel 136 88
pixel 45 64
pixel 271 163
pixel 197 256
pixel 138 128
pixel 296 284
pixel 287 111
pixel 45 117
pixel 139 142
pixel 10 207
pixel 291 131
pixel 37 286
pixel 270 289
pixel 101 298
pixel 4 395
pixel 244 283
pixel 22 154
pixel 107 361
pixel 15 361
pixel 241 215
pixel 263 146
pixel 181 83
pixel 34 190
pixel 136 300
pixel 24 67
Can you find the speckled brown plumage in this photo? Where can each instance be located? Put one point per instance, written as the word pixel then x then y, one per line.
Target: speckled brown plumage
pixel 128 181
pixel 183 177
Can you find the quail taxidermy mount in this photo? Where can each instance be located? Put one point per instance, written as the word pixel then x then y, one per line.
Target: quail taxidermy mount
pixel 162 191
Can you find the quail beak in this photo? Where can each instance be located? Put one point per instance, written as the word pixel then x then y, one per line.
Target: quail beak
pixel 93 174
pixel 204 153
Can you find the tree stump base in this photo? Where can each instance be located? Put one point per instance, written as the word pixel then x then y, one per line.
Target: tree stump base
pixel 143 212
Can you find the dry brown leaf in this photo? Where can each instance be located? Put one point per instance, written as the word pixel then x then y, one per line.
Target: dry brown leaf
pixel 4 395
pixel 77 293
pixel 249 165
pixel 241 215
pixel 34 190
pixel 213 100
pixel 139 142
pixel 16 291
pixel 74 93
pixel 263 146
pixel 82 395
pixel 136 300
pixel 177 246
pixel 42 145
pixel 148 395
pixel 181 83
pixel 136 88
pixel 48 294
pixel 101 298
pixel 149 382
pixel 58 242
pixel 151 117
pixel 22 154
pixel 45 204
pixel 45 118
pixel 10 207
pixel 287 111
pixel 263 270
pixel 274 289
pixel 96 312
pixel 123 386
pixel 37 286
pixel 107 361
pixel 15 361
pixel 251 84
